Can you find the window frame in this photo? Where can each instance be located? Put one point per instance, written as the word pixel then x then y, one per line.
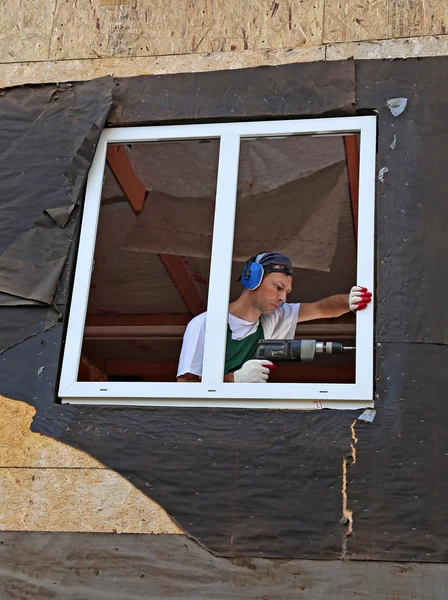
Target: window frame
pixel 212 391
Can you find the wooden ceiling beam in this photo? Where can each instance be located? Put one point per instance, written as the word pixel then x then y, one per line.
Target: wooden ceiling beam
pixel 183 279
pixel 351 143
pixel 138 320
pixel 141 326
pixel 120 164
pixel 152 332
pixel 91 353
pixel 89 371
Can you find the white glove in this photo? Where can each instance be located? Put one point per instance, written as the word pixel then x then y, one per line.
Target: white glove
pixel 359 298
pixel 253 371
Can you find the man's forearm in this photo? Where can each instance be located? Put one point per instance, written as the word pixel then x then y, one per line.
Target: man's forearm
pixel 333 306
pixel 327 308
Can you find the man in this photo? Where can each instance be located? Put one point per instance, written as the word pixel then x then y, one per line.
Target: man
pixel 260 313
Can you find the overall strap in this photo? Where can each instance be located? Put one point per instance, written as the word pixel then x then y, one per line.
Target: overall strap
pixel 239 351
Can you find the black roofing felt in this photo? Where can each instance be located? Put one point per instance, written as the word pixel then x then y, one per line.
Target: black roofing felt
pixel 259 483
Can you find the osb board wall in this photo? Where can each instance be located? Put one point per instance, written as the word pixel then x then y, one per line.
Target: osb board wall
pixel 73 29
pixel 102 28
pixel 12 74
pixel 48 486
pixel 145 27
pixel 43 41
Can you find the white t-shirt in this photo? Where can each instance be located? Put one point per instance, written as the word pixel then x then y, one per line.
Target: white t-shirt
pixel 281 324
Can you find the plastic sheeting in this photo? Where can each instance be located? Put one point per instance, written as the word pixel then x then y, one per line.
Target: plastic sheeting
pixel 398 485
pixel 412 207
pixel 41 253
pixel 43 169
pixel 235 95
pixel 46 148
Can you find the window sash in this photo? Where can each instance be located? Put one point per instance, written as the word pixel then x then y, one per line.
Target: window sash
pixel 212 391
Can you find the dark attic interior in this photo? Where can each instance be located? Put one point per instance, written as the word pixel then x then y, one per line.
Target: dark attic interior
pixel 154 239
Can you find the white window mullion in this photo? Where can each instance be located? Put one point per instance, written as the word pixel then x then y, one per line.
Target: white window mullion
pixel 221 261
pixel 365 259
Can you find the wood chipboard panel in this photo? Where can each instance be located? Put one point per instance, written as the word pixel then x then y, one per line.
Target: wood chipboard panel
pixel 38 30
pixel 25 30
pixel 408 18
pixel 19 447
pixel 101 28
pixel 354 20
pixel 49 486
pixel 13 74
pixel 380 19
pixel 389 49
pixel 76 500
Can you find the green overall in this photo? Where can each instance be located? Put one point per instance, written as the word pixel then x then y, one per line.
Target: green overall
pixel 239 351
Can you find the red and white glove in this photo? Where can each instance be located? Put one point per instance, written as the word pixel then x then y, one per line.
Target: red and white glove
pixel 359 298
pixel 253 371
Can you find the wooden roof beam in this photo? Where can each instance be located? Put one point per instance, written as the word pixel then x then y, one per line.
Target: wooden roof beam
pixel 138 320
pixel 163 326
pixel 351 143
pixel 89 371
pixel 185 282
pixel 120 164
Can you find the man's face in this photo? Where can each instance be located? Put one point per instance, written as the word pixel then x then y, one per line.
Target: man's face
pixel 272 292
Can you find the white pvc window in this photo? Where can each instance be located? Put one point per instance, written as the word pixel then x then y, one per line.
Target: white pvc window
pixel 212 391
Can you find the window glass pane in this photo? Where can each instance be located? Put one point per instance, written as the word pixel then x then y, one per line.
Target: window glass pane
pixel 152 260
pixel 294 198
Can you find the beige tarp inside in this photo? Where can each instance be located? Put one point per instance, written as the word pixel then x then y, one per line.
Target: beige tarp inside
pixel 290 196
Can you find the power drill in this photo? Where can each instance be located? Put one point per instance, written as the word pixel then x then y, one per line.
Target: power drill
pixel 297 350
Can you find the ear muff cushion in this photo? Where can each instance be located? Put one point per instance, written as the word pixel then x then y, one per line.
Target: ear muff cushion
pixel 252 276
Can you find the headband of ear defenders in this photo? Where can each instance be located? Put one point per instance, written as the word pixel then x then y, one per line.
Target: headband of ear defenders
pixel 260 264
pixel 272 262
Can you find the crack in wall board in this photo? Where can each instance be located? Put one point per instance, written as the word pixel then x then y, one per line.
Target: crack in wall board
pixel 347 514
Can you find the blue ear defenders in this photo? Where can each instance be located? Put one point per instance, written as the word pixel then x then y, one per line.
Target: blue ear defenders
pixel 253 272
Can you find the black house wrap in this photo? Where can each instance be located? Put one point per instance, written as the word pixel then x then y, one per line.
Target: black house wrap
pixel 251 483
